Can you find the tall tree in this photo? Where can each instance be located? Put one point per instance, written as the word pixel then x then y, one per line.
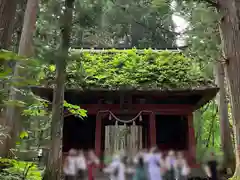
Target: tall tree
pixel 230 41
pixel 53 170
pixel 204 45
pixel 25 49
pixel 226 140
pixel 7 14
pixel 230 38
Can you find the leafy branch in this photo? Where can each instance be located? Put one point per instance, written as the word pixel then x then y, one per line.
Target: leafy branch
pixel 75 110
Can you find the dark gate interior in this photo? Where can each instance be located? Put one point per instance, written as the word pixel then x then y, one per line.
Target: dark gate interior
pixel 171 132
pixel 79 133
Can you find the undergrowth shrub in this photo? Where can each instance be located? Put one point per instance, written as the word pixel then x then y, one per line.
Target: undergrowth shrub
pixel 11 169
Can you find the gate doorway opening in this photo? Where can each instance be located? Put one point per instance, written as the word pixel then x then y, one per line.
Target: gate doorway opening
pixel 79 133
pixel 172 132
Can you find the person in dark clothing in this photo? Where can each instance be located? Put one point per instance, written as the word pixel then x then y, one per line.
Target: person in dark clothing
pixel 170 163
pixel 211 167
pixel 141 171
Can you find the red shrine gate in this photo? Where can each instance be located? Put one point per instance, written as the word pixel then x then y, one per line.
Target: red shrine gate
pixel 165 118
pixel 150 117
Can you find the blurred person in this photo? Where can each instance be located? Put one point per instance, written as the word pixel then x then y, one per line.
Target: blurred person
pixel 81 164
pixel 181 166
pixel 92 164
pixel 211 167
pixel 141 172
pixel 69 166
pixel 117 168
pixel 92 157
pixel 170 164
pixel 136 158
pixel 155 164
pixel 144 154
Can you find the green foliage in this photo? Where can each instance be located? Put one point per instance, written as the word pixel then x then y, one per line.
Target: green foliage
pixel 19 170
pixel 207 131
pixel 36 121
pixel 75 110
pixel 107 23
pixel 130 68
pixel 24 134
pixel 37 107
pixel 18 84
pixel 202 34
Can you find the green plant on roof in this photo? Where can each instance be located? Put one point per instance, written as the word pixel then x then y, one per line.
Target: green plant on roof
pixel 129 68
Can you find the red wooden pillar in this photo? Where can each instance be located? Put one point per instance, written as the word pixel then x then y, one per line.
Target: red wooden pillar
pixel 98 134
pixel 152 129
pixel 191 140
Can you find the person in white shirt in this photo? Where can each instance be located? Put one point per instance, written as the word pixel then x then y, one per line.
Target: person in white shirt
pixel 116 169
pixel 182 168
pixel 81 164
pixel 155 164
pixel 70 168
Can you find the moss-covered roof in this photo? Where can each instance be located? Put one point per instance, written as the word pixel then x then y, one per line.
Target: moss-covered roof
pixel 145 69
pixel 146 73
pixel 134 69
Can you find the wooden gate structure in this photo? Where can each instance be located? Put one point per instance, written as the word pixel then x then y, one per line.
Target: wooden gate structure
pixel 144 113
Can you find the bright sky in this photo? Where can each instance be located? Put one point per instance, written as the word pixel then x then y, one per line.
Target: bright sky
pixel 181 26
pixel 180 23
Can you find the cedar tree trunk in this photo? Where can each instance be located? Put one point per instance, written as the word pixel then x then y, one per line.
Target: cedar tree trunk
pixel 226 140
pixel 7 14
pixel 230 38
pixel 25 49
pixel 54 166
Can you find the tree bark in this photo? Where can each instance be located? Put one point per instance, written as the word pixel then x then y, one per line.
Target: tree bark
pixel 230 38
pixel 7 14
pixel 25 49
pixel 18 24
pixel 226 140
pixel 54 166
